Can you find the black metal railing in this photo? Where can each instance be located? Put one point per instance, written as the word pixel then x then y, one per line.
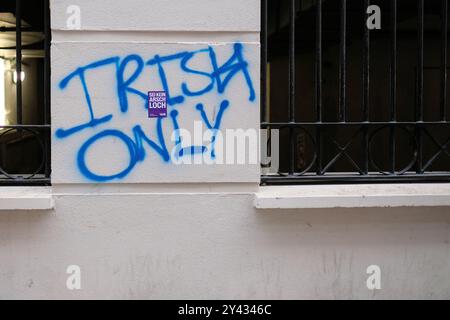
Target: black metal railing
pixel 31 138
pixel 350 132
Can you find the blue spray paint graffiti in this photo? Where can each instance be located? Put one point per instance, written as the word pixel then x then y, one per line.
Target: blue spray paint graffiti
pixel 219 78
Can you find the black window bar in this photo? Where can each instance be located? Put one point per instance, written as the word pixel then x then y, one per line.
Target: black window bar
pixel 335 125
pixel 28 138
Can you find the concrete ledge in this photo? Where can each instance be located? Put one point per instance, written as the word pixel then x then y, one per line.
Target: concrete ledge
pixel 353 196
pixel 26 198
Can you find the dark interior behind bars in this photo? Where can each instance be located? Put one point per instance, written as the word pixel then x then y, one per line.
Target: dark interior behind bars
pixel 25 115
pixel 354 104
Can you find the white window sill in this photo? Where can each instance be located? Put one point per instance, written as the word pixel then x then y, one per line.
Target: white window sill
pixel 26 198
pixel 282 197
pixel 353 196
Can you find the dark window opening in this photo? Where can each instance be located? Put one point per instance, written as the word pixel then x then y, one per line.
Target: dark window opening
pixel 24 92
pixel 353 104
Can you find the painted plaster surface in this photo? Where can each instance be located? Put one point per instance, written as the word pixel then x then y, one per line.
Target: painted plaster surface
pixel 101 128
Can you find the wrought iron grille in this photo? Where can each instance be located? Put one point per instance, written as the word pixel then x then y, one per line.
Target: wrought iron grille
pixel 354 104
pixel 25 135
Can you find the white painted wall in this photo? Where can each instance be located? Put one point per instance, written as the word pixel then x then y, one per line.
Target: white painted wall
pixel 219 246
pixel 184 232
pixel 162 15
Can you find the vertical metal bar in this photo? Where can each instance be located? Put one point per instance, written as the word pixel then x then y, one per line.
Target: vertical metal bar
pixel 419 98
pixel 292 86
pixel 263 60
pixel 47 41
pixel 393 63
pixel 292 62
pixel 419 108
pixel 343 63
pixel 318 85
pixel 47 90
pixel 420 41
pixel 366 65
pixel 19 61
pixel 318 61
pixel 393 83
pixel 444 59
pixel 366 85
